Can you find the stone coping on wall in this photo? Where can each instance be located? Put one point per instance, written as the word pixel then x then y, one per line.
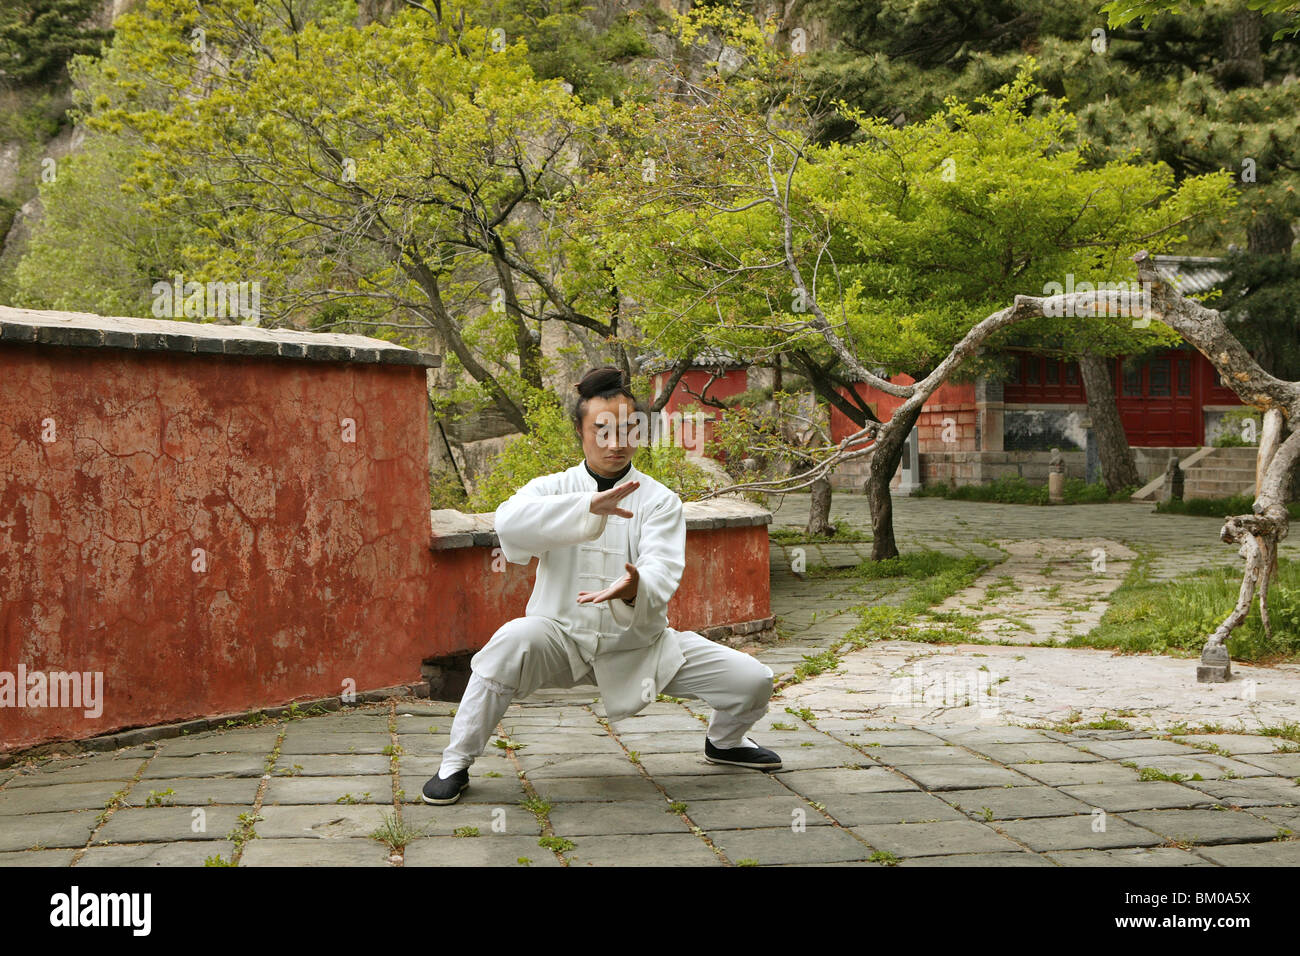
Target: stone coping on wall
pixel 457 529
pixel 87 330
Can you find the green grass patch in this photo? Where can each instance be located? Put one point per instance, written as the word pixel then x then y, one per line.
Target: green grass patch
pixel 1018 491
pixel 843 533
pixel 1217 507
pixel 1175 617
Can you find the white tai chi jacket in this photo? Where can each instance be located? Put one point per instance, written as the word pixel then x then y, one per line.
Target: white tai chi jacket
pixel 632 650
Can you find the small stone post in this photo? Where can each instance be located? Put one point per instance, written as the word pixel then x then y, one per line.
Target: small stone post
pixel 1056 477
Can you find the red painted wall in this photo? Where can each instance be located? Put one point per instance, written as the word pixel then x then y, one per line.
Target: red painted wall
pixel 949 401
pixel 731 383
pixel 316 564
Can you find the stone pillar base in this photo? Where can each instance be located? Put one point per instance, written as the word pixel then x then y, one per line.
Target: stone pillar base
pixel 1215 667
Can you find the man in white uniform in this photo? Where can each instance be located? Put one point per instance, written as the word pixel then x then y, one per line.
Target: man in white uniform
pixel 610 556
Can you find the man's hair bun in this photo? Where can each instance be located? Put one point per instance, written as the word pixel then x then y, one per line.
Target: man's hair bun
pixel 602 380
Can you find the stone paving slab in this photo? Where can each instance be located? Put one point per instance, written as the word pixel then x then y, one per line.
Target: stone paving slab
pixel 309 852
pixel 38 858
pixel 1046 752
pixel 940 756
pixel 1077 774
pixel 1015 803
pixel 1255 854
pixel 230 741
pixel 422 745
pixel 717 786
pixel 317 742
pixel 1125 797
pixel 935 839
pixel 1250 792
pixel 194 791
pixel 1209 766
pixel 575 820
pixel 1286 817
pixel 369 789
pixel 558 742
pixel 783 845
pixel 321 822
pixel 872 809
pixel 494 849
pixel 63 796
pixel 326 765
pixel 1236 744
pixel 1205 827
pixel 74 770
pixel 540 766
pixel 1077 833
pixel 47 830
pixel 1136 749
pixel 187 853
pixel 206 765
pixel 979 738
pixel 584 790
pixel 1132 856
pixel 753 812
pixel 168 824
pixel 1022 858
pixel 1282 765
pixel 964 777
pixel 647 849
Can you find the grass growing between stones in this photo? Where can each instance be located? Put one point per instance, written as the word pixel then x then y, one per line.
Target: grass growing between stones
pixel 932 576
pixel 1175 617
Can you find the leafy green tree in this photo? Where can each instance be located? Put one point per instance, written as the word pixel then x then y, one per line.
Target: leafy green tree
pixel 95 247
pixel 39 37
pixel 1203 91
pixel 873 258
pixel 398 178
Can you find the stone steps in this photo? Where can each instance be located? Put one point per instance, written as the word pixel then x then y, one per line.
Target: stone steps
pixel 1222 473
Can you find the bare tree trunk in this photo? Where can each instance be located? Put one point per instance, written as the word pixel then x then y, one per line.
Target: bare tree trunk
pixel 1269 235
pixel 819 514
pixel 884 465
pixel 1118 469
pixel 1243 62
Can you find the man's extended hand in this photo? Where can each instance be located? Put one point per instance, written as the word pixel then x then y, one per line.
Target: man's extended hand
pixel 625 587
pixel 606 502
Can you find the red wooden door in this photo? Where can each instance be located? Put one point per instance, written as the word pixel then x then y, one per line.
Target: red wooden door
pixel 1156 400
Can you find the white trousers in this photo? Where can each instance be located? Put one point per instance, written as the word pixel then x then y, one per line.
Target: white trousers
pixel 736 685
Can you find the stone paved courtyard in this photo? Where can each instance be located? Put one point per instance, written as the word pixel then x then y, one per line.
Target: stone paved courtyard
pixel 906 753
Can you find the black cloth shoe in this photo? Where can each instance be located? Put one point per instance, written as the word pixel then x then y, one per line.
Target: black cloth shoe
pixel 439 791
pixel 758 758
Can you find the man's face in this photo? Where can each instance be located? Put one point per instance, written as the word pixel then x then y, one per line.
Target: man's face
pixel 606 442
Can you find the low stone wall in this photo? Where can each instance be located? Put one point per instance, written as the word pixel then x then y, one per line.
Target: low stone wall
pixel 982 467
pixel 723 595
pixel 199 520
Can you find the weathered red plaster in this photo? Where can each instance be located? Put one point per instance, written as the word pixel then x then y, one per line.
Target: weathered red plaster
pixel 317 560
